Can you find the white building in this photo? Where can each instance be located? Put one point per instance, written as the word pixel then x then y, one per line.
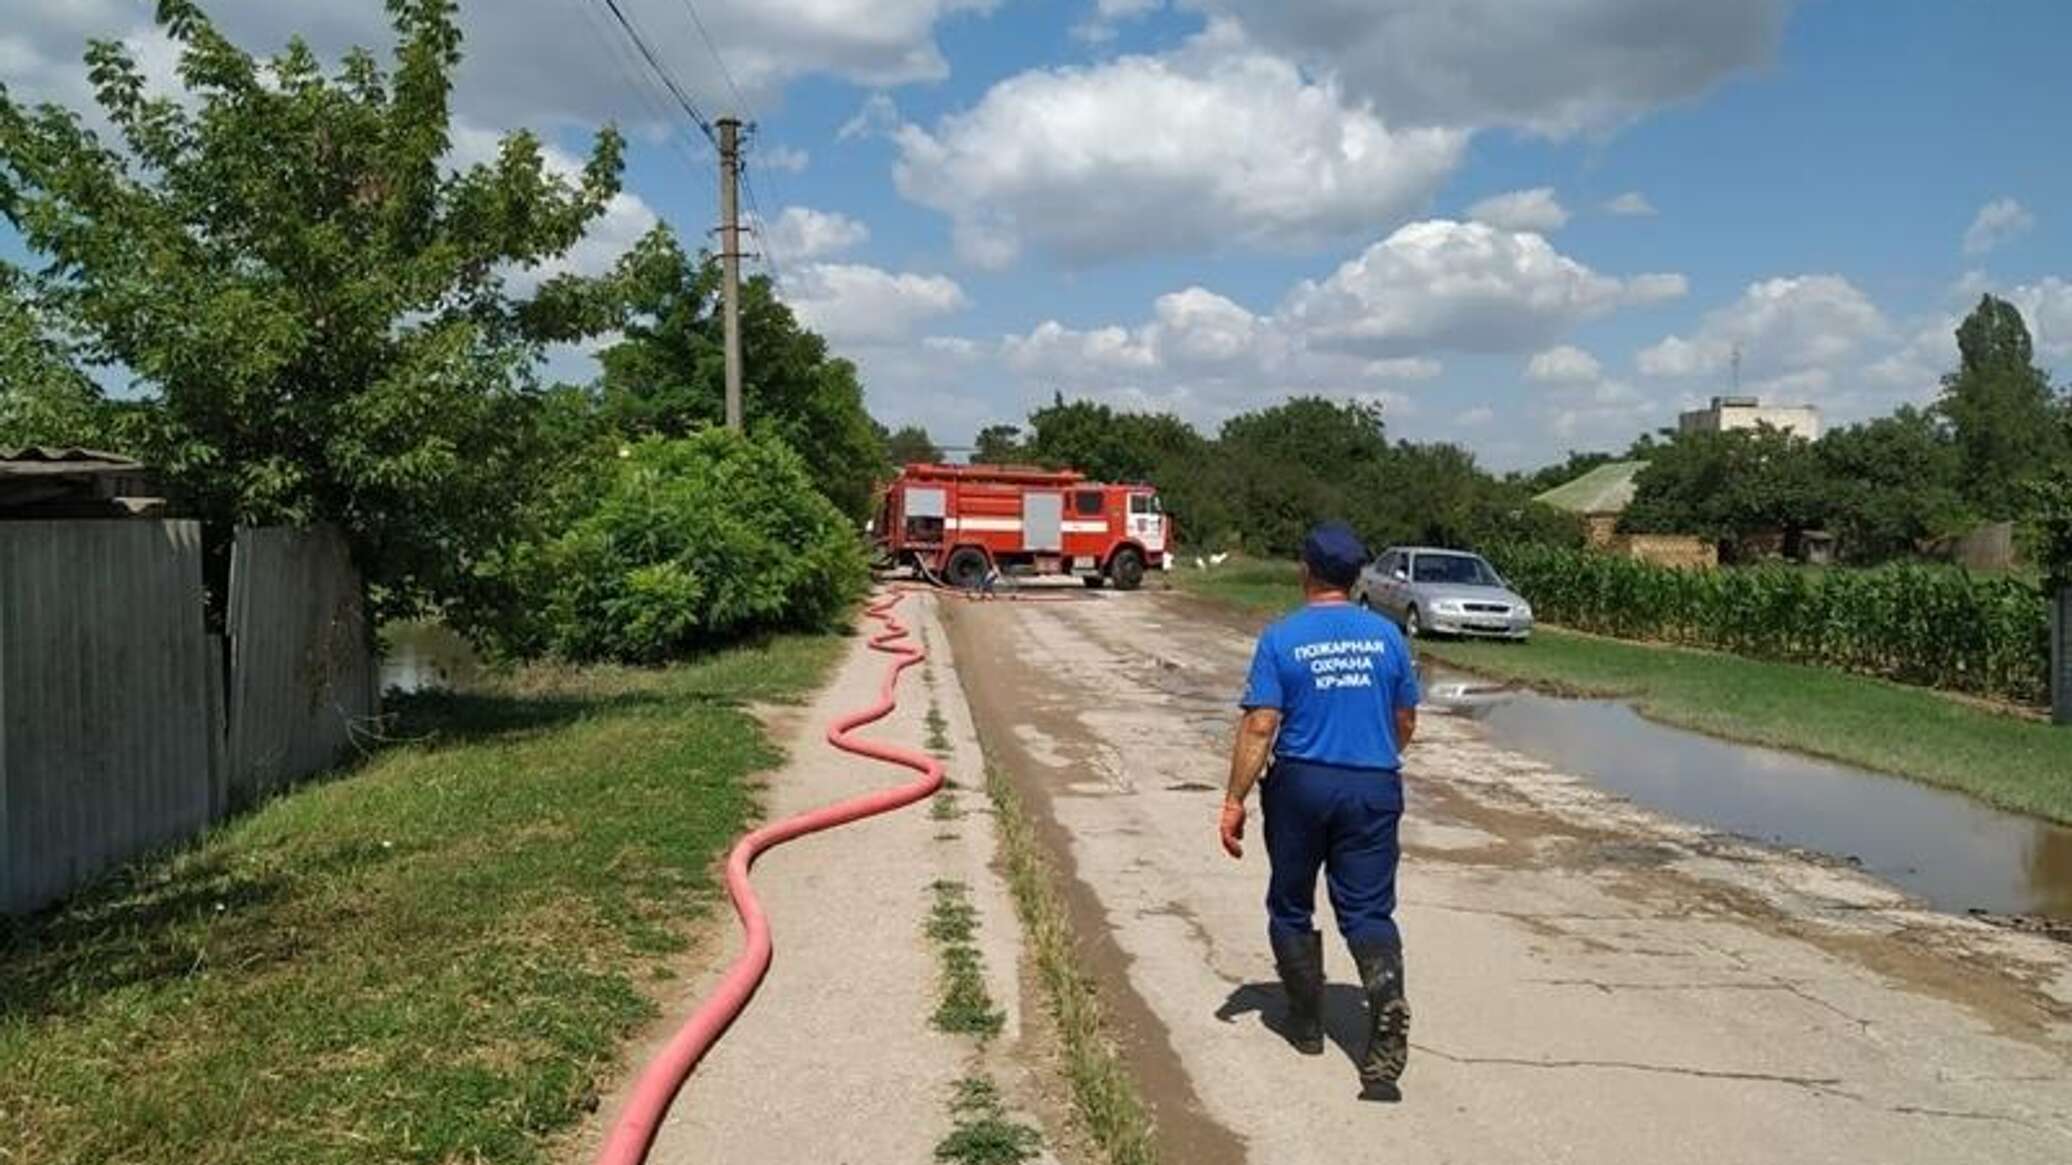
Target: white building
pixel 1746 412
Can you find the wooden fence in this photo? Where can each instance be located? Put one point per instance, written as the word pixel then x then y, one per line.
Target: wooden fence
pixel 120 729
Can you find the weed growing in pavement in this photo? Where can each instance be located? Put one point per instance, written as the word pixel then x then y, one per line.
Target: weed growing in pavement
pixel 943 807
pixel 938 732
pixel 965 1005
pixel 1103 1094
pixel 983 1134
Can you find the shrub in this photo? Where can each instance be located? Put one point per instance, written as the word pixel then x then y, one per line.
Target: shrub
pixel 1936 627
pixel 688 544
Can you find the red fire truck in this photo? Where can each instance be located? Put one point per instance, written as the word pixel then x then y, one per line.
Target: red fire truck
pixel 953 521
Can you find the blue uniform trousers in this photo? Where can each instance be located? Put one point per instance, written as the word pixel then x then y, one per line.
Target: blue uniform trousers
pixel 1345 821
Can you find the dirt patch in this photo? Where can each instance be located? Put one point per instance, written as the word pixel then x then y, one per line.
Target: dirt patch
pixel 1186 1132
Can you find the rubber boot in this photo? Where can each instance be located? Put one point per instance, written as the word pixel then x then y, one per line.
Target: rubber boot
pixel 1388 1012
pixel 1300 960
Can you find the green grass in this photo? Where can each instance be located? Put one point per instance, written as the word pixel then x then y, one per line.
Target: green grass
pixel 2013 762
pixel 983 1135
pixel 433 959
pixel 1104 1097
pixel 964 1006
pixel 1249 584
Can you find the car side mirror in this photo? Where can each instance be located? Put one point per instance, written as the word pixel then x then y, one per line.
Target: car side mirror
pixel 1401 575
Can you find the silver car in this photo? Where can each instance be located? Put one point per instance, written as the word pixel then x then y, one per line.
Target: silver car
pixel 1443 592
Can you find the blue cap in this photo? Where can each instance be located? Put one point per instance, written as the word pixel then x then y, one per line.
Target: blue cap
pixel 1334 554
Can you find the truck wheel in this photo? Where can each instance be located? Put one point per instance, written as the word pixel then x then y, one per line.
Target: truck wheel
pixel 1127 569
pixel 967 568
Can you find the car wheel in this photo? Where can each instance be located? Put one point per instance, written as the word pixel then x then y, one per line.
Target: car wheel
pixel 967 568
pixel 1413 626
pixel 1127 569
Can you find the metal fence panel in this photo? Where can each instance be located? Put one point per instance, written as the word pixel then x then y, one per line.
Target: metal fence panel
pixel 2061 658
pixel 302 668
pixel 104 724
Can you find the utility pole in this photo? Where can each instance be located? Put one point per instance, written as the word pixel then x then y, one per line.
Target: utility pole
pixel 730 258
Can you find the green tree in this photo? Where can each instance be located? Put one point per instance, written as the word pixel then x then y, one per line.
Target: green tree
pixel 2001 408
pixel 678 546
pixel 314 302
pixel 44 398
pixel 1000 445
pixel 1729 486
pixel 1894 484
pixel 667 377
pixel 1104 444
pixel 911 445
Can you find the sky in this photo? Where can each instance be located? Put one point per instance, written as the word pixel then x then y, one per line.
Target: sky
pixel 1523 226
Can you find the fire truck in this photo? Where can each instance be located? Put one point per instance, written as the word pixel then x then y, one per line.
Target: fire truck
pixel 956 521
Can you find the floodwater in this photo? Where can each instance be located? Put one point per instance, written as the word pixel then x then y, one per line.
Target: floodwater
pixel 419 657
pixel 1957 853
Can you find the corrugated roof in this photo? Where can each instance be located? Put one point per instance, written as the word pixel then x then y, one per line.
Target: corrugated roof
pixel 1607 489
pixel 44 461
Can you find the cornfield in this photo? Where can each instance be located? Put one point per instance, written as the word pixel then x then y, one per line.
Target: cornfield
pixel 1937 628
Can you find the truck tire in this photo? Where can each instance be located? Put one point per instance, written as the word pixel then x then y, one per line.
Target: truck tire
pixel 1126 569
pixel 967 568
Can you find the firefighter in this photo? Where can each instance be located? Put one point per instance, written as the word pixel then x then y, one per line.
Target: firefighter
pixel 1332 700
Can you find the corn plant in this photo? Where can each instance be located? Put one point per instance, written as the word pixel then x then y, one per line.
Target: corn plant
pixel 1918 625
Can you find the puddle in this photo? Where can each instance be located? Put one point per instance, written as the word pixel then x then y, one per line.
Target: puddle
pixel 1957 853
pixel 419 657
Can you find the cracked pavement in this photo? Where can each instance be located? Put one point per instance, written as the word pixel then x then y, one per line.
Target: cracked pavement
pixel 1590 981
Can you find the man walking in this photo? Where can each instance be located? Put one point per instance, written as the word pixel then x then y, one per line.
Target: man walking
pixel 1332 699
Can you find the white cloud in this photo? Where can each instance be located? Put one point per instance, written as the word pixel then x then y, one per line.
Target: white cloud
pixel 786 158
pixel 537 61
pixel 1780 327
pixel 1522 210
pixel 1996 222
pixel 1564 364
pixel 854 303
pixel 1554 66
pixel 1214 144
pixel 1631 204
pixel 1402 368
pixel 1443 285
pixel 1110 13
pixel 801 233
pixel 878 115
pixel 2047 305
pixel 1474 417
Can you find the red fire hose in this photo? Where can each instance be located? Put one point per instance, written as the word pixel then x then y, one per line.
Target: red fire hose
pixel 664 1076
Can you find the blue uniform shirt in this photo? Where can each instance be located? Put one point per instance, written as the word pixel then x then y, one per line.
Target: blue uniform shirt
pixel 1337 673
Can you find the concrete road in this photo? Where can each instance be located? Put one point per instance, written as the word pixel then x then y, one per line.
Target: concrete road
pixel 835 1061
pixel 1590 982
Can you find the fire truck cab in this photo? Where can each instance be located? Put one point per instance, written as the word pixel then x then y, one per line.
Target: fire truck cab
pixel 957 521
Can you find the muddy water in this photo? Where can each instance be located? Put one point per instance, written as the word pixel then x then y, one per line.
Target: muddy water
pixel 420 657
pixel 1957 853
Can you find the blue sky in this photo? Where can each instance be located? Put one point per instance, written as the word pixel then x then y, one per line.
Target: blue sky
pixel 1203 205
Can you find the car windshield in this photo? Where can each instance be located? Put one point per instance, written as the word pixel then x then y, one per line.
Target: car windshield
pixel 1460 569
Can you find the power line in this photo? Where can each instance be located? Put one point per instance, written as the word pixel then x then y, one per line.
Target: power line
pixel 761 223
pixel 740 102
pixel 661 72
pixel 648 95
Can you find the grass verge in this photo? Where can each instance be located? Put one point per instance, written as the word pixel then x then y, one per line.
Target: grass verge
pixel 431 960
pixel 1103 1095
pixel 2009 761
